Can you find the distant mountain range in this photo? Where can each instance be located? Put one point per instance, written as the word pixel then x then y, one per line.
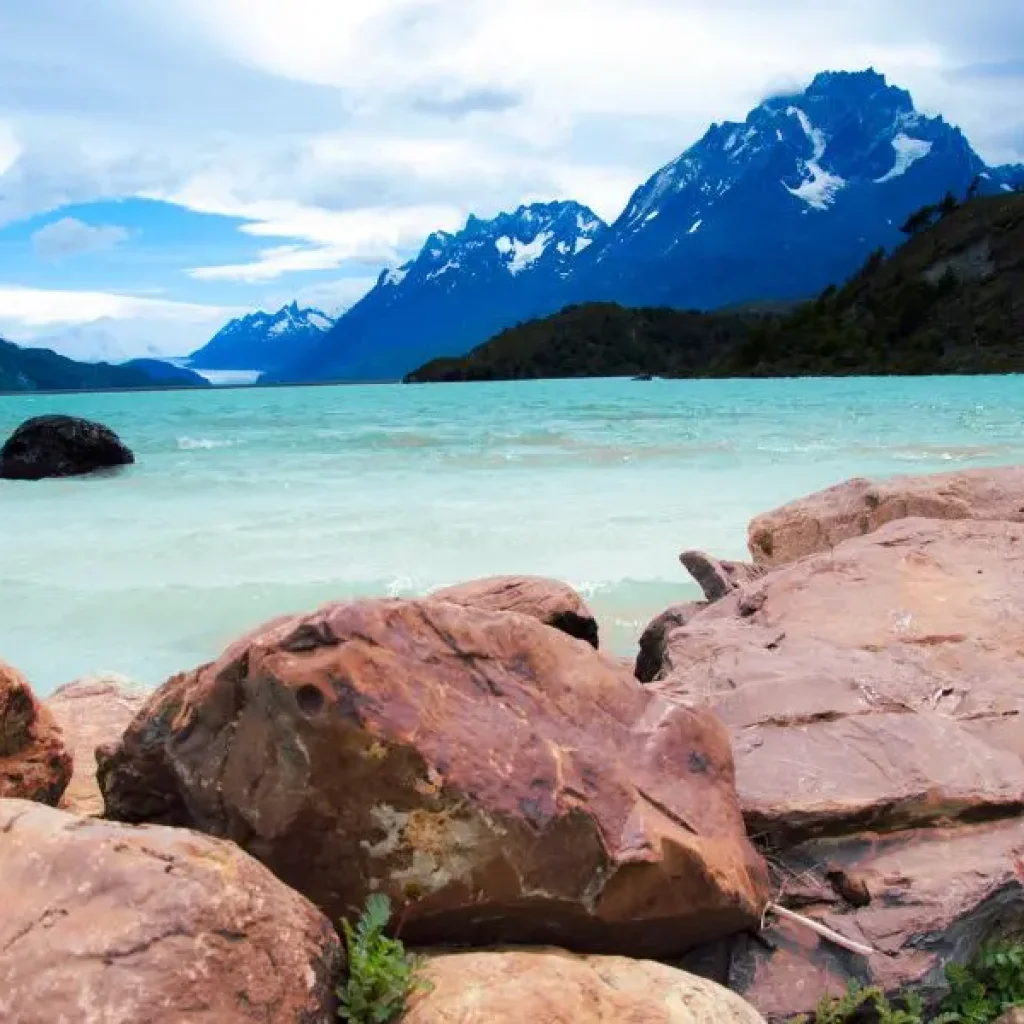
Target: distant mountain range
pixel 264 341
pixel 776 208
pixel 41 369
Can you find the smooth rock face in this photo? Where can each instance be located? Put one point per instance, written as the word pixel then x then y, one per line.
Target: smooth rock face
pixel 112 924
pixel 823 520
pixel 505 782
pixel 875 691
pixel 549 601
pixel 34 761
pixel 549 986
pixel 54 446
pixel 92 712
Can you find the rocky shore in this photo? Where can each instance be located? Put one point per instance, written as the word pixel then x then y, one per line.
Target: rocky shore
pixel 834 732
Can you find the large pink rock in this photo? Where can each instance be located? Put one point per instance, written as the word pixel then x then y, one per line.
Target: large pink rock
pixel 875 691
pixel 821 521
pixel 92 712
pixel 498 780
pixel 112 924
pixel 549 601
pixel 34 760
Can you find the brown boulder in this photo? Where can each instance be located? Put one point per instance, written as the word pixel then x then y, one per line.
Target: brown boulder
pixel 876 689
pixel 110 924
pixel 92 712
pixel 549 601
pixel 918 898
pixel 878 685
pixel 1012 1017
pixel 34 762
pixel 549 986
pixel 821 521
pixel 650 659
pixel 718 578
pixel 505 783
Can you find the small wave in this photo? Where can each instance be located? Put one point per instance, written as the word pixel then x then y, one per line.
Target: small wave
pixel 188 444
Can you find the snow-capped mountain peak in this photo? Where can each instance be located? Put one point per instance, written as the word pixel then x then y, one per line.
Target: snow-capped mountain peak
pixel 263 341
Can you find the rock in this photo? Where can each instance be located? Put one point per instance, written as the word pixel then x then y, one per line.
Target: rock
pixel 549 601
pixel 92 712
pixel 715 577
pixel 113 924
pixel 34 761
pixel 934 895
pixel 877 685
pixel 1012 1017
pixel 874 699
pixel 513 986
pixel 823 520
pixel 502 782
pixel 54 446
pixel 651 657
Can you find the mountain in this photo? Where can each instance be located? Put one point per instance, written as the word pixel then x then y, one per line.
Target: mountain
pixel 460 289
pixel 786 203
pixel 774 209
pixel 41 369
pixel 168 374
pixel 949 300
pixel 264 341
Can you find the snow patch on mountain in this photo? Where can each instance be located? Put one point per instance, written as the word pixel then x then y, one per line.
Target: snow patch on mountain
pixel 908 152
pixel 821 188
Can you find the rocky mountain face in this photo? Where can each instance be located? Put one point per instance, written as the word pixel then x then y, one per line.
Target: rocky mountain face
pixel 786 203
pixel 460 289
pixel 263 341
pixel 776 208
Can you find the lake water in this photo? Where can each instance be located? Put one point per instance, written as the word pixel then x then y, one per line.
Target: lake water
pixel 247 503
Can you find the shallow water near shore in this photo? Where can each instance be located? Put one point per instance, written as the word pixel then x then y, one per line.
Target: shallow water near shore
pixel 248 503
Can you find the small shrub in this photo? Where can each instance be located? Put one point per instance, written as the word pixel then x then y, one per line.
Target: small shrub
pixel 381 974
pixel 979 993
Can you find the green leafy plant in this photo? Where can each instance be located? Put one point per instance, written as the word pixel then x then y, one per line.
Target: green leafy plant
pixel 979 993
pixel 381 974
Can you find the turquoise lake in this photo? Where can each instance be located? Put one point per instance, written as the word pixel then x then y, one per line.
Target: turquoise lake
pixel 247 503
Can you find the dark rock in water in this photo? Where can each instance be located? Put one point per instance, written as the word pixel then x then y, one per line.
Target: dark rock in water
pixel 644 376
pixel 49 446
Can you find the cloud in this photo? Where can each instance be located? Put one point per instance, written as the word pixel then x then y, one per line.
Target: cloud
pixel 462 104
pixel 72 237
pixel 346 132
pixel 106 325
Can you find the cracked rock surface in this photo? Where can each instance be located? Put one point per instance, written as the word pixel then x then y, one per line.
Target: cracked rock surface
pixel 105 923
pixel 501 781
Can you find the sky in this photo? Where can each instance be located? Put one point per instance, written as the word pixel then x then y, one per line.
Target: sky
pixel 168 164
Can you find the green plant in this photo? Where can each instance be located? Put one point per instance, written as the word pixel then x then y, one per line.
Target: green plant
pixel 991 985
pixel 381 974
pixel 979 993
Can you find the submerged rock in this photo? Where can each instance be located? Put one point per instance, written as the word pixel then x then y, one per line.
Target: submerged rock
pixel 821 521
pixel 512 986
pixel 121 925
pixel 92 712
pixel 549 601
pixel 34 760
pixel 499 781
pixel 56 446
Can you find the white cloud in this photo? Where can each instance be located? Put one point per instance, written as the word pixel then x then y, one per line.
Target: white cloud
pixel 347 131
pixel 72 237
pixel 103 325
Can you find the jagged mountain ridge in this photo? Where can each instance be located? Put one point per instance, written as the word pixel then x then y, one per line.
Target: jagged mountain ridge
pixel 263 341
pixel 786 203
pixel 775 208
pixel 460 288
